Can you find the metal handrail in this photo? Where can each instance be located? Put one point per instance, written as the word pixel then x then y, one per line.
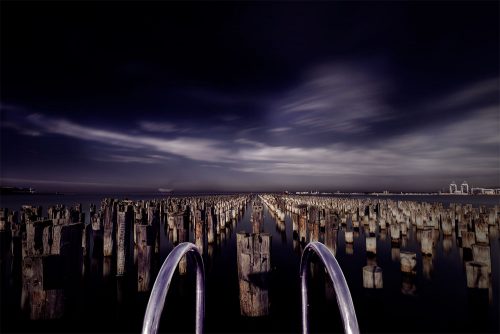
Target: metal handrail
pixel 342 292
pixel 162 283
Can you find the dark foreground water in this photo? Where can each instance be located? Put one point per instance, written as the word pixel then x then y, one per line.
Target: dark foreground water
pixel 435 299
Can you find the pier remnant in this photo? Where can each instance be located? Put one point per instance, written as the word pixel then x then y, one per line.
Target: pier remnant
pixel 477 275
pixel 254 266
pixel 145 242
pixel 408 262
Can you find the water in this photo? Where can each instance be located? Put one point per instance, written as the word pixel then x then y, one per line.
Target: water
pixel 435 299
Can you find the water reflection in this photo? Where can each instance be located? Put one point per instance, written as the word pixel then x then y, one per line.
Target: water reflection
pixel 408 287
pixel 380 244
pixel 427 266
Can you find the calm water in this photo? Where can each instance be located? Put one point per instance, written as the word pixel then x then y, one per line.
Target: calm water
pixel 435 299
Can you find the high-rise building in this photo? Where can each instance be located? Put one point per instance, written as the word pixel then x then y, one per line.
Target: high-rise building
pixel 453 188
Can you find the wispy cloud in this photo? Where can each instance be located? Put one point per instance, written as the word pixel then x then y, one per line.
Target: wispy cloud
pixel 466 145
pixel 191 148
pixel 470 94
pixel 119 158
pixel 26 131
pixel 335 97
pixel 279 130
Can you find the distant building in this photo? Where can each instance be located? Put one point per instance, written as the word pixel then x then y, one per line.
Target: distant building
pixel 485 191
pixel 464 188
pixel 453 188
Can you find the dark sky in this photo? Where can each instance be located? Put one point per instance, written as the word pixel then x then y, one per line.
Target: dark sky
pixel 249 96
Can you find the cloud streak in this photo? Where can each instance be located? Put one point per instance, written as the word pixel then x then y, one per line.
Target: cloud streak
pixel 337 97
pixel 191 148
pixel 335 100
pixel 467 146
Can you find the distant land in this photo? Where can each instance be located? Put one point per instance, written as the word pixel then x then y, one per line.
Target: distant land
pixel 11 190
pixel 24 191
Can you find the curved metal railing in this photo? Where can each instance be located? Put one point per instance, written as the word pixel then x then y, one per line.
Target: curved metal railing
pixel 162 283
pixel 342 292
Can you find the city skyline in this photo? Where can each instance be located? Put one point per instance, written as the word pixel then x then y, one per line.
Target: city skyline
pixel 249 96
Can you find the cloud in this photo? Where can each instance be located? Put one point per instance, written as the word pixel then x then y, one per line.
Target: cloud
pixel 472 94
pixel 211 166
pixel 148 159
pixel 22 130
pixel 336 97
pixel 279 130
pixel 191 148
pixel 468 147
pixel 465 146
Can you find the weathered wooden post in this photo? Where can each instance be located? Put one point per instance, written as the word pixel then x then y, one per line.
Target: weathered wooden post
pixel 477 275
pixel 427 243
pixel 4 221
pixel 210 223
pixel 43 293
pixel 123 223
pixel 372 277
pixel 481 229
pixel 408 262
pixel 446 226
pixel 254 265
pixel 468 239
pixel 419 221
pixel 395 232
pixel 295 226
pixel 302 223
pixel 372 226
pixel 97 236
pixel 355 225
pixel 121 244
pixel 108 230
pixel 145 243
pixel 349 237
pixel 349 248
pixel 257 218
pixel 404 228
pixel 313 231
pixel 180 230
pixel 481 253
pixel 492 216
pixel 34 242
pixel 331 237
pixel 382 223
pixel 198 232
pixel 371 245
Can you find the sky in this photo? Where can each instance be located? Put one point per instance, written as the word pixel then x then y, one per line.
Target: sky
pixel 262 96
